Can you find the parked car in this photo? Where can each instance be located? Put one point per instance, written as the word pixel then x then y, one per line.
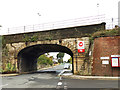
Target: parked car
pixel 67 66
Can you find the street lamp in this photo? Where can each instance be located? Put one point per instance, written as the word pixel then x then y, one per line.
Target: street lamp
pixel 39 14
pixel 98 7
pixel 0 27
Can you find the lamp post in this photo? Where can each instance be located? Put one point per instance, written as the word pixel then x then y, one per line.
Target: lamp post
pixel 0 27
pixel 39 16
pixel 98 8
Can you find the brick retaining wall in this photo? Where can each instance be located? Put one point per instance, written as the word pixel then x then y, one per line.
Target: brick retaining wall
pixel 105 47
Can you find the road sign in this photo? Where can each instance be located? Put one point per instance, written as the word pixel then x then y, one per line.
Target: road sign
pixel 81 50
pixel 115 60
pixel 80 46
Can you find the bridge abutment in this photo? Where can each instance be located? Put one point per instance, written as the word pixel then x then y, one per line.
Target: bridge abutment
pixel 26 61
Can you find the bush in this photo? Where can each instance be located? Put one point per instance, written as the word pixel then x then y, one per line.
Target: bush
pixel 9 68
pixel 43 59
pixel 103 33
pixel 27 38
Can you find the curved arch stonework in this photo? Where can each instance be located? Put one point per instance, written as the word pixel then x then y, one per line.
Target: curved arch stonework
pixel 70 43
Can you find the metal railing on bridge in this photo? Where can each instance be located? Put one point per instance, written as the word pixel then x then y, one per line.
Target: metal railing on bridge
pixel 57 25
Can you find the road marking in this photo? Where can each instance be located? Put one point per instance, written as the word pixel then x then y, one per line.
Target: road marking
pixel 65 87
pixel 3 85
pixel 59 83
pixel 60 78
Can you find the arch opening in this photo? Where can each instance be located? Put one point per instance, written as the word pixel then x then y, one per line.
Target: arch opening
pixel 27 57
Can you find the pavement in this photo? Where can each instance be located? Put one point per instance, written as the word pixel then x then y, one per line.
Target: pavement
pixel 16 74
pixel 71 76
pixel 6 75
pixel 90 77
pixel 74 77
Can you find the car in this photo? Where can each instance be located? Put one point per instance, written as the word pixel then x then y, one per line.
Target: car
pixel 66 66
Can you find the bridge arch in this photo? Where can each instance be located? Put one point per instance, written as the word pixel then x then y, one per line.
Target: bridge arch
pixel 27 57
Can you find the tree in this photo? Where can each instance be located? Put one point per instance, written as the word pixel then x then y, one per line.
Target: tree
pixel 60 56
pixel 70 60
pixel 43 59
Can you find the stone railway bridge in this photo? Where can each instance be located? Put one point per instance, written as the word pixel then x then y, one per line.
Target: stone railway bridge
pixel 22 50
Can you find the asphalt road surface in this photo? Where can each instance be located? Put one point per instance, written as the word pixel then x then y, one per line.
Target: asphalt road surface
pixel 51 80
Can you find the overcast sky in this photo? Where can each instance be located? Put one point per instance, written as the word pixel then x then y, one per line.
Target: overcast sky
pixel 15 13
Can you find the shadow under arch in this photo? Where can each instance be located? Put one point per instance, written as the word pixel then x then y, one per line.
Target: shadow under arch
pixel 27 57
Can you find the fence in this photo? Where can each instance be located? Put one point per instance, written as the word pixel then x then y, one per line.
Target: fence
pixel 110 23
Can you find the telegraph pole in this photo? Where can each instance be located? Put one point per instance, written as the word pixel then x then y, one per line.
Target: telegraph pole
pixel 112 23
pixel 98 9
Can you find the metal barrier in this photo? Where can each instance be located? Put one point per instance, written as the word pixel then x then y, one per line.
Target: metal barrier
pixel 56 25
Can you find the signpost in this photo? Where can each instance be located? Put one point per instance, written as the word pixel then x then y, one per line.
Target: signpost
pixel 115 60
pixel 80 46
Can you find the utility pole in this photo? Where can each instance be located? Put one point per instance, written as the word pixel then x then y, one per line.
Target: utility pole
pixel 98 11
pixel 38 15
pixel 98 8
pixel 112 23
pixel 0 27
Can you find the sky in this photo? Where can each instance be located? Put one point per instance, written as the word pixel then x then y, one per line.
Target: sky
pixel 15 13
pixel 65 58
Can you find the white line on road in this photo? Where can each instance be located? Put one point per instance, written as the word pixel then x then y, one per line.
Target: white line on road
pixel 3 85
pixel 59 83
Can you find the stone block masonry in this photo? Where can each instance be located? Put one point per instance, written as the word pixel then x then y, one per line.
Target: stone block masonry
pixel 30 53
pixel 25 48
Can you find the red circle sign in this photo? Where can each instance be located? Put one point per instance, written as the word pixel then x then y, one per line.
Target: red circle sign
pixel 80 44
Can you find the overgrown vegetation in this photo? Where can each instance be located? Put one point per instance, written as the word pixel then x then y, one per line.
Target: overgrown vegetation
pixel 27 38
pixel 43 61
pixel 70 60
pixel 9 68
pixel 60 56
pixel 48 38
pixel 3 41
pixel 104 33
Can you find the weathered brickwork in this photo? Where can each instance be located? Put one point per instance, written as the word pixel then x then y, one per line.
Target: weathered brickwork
pixel 105 47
